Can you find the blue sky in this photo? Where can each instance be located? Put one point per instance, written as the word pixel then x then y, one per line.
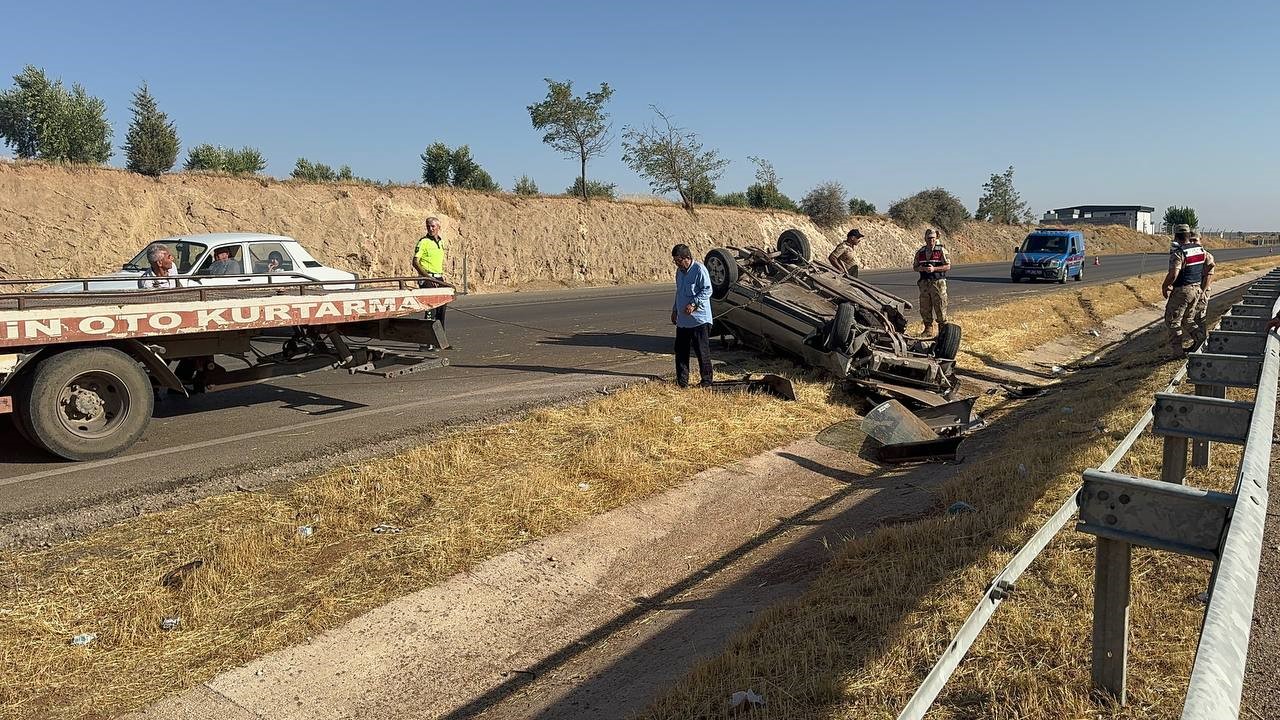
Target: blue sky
pixel 1155 103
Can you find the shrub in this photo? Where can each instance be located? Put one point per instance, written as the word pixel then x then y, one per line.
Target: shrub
pixel 313 172
pixel 734 199
pixel 525 186
pixel 826 204
pixel 768 197
pixel 442 166
pixel 245 161
pixel 151 146
pixel 858 206
pixel 40 119
pixel 934 206
pixel 595 188
pixel 1174 215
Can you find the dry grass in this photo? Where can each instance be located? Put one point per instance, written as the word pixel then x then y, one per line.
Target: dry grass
pixel 864 635
pixel 462 499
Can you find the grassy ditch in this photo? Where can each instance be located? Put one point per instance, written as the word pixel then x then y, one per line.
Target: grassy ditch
pixel 262 584
pixel 867 631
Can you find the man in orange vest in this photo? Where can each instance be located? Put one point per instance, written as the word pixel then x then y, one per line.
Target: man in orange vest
pixel 932 262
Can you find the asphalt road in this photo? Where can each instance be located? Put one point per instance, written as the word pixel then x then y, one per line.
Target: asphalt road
pixel 511 350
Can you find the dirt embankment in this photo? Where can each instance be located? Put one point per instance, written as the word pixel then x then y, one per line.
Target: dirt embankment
pixel 60 221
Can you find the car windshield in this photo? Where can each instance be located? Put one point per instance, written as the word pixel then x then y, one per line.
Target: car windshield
pixel 185 255
pixel 1044 244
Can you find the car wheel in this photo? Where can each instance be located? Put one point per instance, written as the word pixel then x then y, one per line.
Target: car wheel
pixel 723 269
pixel 1062 277
pixel 795 246
pixel 841 326
pixel 1080 275
pixel 87 404
pixel 1013 279
pixel 947 345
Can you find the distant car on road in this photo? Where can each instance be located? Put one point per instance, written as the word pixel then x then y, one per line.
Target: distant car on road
pixel 260 259
pixel 1049 254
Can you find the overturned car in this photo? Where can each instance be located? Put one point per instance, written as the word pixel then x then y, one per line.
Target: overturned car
pixel 782 300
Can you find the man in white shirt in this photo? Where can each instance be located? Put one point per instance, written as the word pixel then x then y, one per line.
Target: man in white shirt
pixel 160 276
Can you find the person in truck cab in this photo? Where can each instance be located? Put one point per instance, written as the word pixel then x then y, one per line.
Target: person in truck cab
pixel 1186 288
pixel 932 262
pixel 160 275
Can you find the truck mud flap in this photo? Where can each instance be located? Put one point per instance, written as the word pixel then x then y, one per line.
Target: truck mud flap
pixel 770 384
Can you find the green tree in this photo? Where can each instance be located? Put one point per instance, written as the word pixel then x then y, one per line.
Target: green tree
pixel 151 145
pixel 934 206
pixel 465 172
pixel 1174 215
pixel 574 125
pixel 1000 202
pixel 826 204
pixel 436 160
pixel 40 119
pixel 525 186
pixel 594 188
pixel 313 172
pixel 764 193
pixel 672 160
pixel 245 161
pixel 858 206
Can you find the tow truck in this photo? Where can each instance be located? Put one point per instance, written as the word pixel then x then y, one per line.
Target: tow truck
pixel 80 371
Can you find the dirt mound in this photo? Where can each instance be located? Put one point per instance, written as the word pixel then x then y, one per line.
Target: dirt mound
pixel 58 221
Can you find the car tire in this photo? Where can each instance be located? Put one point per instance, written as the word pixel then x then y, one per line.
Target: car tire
pixel 947 344
pixel 1014 279
pixel 113 385
pixel 722 267
pixel 840 327
pixel 1080 275
pixel 1062 277
pixel 793 245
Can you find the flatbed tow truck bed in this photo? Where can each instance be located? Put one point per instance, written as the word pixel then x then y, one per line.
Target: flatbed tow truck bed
pixel 79 371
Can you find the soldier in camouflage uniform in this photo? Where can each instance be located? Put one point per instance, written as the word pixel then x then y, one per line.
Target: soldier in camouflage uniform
pixel 843 258
pixel 1186 287
pixel 932 262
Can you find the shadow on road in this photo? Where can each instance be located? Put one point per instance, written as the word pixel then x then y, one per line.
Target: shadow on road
pixel 555 370
pixel 619 341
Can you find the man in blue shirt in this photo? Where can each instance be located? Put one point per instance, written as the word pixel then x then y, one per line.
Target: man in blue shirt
pixel 691 314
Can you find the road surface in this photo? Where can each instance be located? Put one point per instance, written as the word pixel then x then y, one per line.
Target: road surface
pixel 511 350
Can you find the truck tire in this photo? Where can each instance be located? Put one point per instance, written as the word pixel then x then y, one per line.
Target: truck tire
pixel 841 326
pixel 947 345
pixel 86 404
pixel 18 418
pixel 722 266
pixel 793 243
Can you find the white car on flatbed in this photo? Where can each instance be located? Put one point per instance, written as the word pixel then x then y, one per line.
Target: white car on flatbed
pixel 258 259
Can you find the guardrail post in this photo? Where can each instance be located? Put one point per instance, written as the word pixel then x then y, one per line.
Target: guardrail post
pixel 1173 468
pixel 1111 617
pixel 1200 448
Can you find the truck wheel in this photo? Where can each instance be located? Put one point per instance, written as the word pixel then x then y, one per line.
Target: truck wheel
pixel 722 266
pixel 18 418
pixel 947 345
pixel 841 326
pixel 794 243
pixel 87 404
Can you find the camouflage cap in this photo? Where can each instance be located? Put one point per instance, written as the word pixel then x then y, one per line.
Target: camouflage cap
pixel 1181 228
pixel 930 233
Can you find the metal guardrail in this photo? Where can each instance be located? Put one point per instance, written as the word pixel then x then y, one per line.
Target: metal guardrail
pixel 1123 510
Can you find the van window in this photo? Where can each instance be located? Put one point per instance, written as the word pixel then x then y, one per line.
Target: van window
pixel 1044 244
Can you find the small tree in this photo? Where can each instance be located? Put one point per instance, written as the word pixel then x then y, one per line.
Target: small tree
pixel 151 145
pixel 594 188
pixel 205 157
pixel 576 126
pixel 313 172
pixel 245 161
pixel 525 186
pixel 935 206
pixel 1000 202
pixel 40 119
pixel 734 199
pixel 826 204
pixel 764 193
pixel 465 172
pixel 1174 215
pixel 858 206
pixel 672 159
pixel 436 160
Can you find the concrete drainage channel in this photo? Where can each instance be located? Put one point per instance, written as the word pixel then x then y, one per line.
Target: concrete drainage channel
pixel 1123 511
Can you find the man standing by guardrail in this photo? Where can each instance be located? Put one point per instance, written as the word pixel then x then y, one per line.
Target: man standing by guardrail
pixel 1186 287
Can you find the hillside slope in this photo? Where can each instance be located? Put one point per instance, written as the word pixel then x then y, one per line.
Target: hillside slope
pixel 58 221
